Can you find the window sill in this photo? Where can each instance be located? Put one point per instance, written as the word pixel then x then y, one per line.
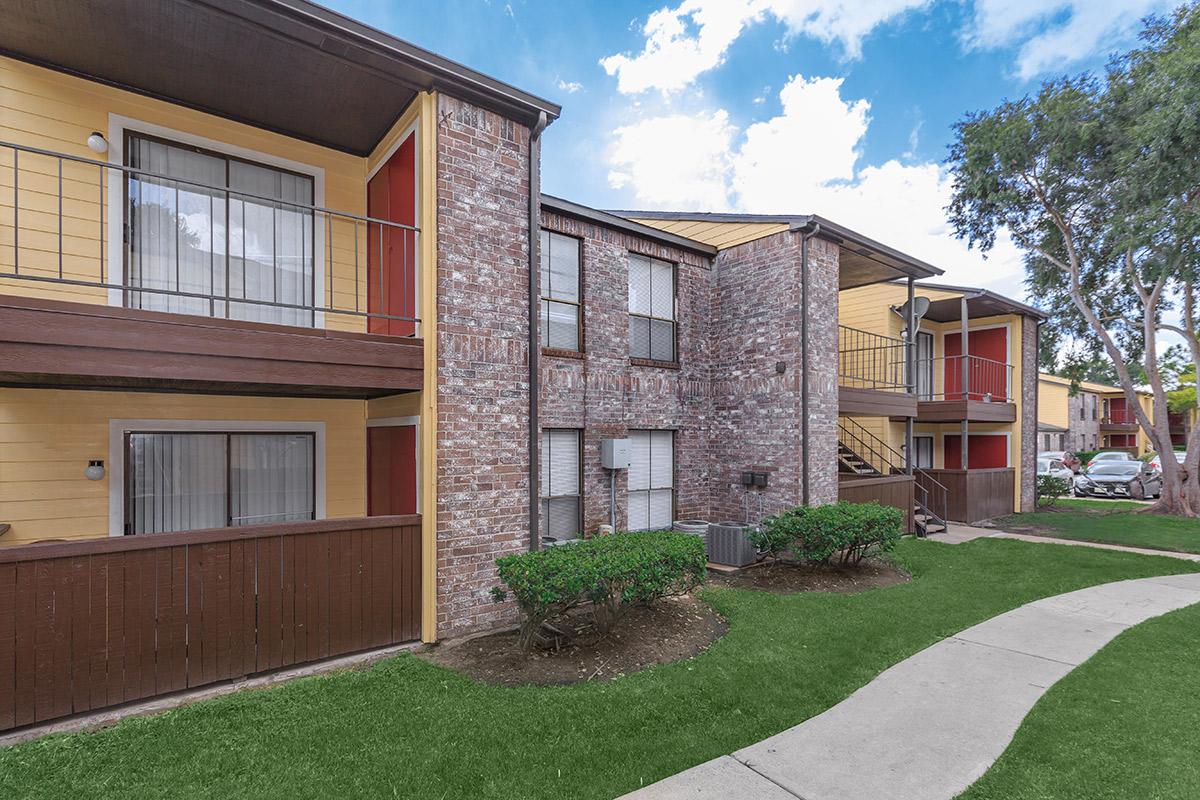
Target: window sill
pixel 650 362
pixel 558 352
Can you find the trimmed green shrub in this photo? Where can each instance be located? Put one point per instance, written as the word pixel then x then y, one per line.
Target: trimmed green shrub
pixel 775 535
pixel 844 533
pixel 608 571
pixel 1048 488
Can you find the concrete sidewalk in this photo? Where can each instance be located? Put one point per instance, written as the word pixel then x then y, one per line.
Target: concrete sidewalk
pixel 930 726
pixel 957 533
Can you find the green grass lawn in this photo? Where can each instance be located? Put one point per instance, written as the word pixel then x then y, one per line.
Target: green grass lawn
pixel 1111 522
pixel 1125 724
pixel 409 729
pixel 1086 504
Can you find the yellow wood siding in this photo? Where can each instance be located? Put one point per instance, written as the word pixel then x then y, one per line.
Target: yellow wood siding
pixel 1053 403
pixel 47 437
pixel 717 234
pixel 52 111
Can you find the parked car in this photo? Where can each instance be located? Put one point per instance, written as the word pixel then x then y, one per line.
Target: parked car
pixel 1069 460
pixel 1156 462
pixel 1054 468
pixel 1110 455
pixel 1119 478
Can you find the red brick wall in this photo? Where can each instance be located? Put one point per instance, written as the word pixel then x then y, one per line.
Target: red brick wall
pixel 606 396
pixel 730 408
pixel 483 386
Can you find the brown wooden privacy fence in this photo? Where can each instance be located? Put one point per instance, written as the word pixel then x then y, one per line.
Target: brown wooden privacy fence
pixel 90 624
pixel 887 490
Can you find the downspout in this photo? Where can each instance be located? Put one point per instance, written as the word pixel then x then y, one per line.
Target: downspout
pixel 535 225
pixel 809 230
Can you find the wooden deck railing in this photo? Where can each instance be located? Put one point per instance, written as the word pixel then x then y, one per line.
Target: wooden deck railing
pixel 89 624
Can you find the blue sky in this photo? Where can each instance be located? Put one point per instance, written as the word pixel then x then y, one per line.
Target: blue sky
pixel 836 107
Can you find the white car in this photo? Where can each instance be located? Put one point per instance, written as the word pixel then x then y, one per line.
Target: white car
pixel 1156 462
pixel 1054 468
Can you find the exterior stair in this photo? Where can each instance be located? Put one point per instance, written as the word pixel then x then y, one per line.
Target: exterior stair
pixel 859 451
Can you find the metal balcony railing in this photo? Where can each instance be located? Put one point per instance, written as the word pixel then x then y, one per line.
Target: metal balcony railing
pixel 966 378
pixel 190 247
pixel 869 360
pixel 1123 418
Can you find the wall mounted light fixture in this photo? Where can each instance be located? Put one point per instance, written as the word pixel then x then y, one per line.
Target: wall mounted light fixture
pixel 94 471
pixel 97 142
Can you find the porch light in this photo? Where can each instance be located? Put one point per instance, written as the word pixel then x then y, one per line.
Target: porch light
pixel 94 471
pixel 97 142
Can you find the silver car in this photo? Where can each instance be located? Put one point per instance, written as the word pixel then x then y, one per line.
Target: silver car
pixel 1129 480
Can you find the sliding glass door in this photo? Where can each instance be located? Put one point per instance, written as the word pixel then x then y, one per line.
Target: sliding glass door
pixel 188 481
pixel 217 236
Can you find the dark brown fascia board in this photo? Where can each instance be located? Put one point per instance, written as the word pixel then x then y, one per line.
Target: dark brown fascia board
pixel 604 218
pixel 443 73
pixel 1016 306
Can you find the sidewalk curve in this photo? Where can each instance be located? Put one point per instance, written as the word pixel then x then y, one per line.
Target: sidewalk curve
pixel 930 726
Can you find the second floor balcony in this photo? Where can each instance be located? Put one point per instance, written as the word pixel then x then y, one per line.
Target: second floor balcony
pixel 873 379
pixel 190 270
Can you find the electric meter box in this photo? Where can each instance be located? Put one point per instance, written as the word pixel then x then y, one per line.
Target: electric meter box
pixel 614 453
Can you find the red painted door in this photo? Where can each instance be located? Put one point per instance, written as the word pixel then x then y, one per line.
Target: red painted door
pixel 392 251
pixel 1117 412
pixel 392 470
pixel 984 451
pixel 986 372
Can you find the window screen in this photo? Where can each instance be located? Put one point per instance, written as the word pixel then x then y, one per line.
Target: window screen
pixel 561 290
pixel 188 481
pixel 560 485
pixel 651 480
pixel 651 308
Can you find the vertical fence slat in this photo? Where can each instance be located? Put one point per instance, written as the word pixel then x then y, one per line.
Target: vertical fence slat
pixel 60 699
pixel 270 604
pixel 25 640
pixel 79 577
pixel 287 547
pixel 8 645
pixel 43 652
pixel 97 633
pixel 355 640
pixel 249 608
pixel 171 577
pixel 115 688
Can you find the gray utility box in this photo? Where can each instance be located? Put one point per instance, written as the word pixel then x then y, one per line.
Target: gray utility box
pixel 614 453
pixel 729 543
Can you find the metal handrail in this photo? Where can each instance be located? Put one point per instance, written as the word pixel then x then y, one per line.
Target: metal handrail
pixel 934 498
pixel 975 377
pixel 869 360
pixel 341 226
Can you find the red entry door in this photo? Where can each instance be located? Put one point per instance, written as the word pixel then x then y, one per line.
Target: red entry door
pixel 392 251
pixel 985 374
pixel 984 451
pixel 391 470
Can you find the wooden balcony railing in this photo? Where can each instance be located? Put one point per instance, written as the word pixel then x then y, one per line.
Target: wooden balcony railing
pixel 85 625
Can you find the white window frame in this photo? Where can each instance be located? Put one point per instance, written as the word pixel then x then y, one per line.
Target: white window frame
pixel 674 320
pixel 544 298
pixel 542 496
pixel 116 453
pixel 650 470
pixel 118 125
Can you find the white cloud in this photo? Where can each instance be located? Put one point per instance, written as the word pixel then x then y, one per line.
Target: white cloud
pixel 694 36
pixel 677 160
pixel 1053 33
pixel 570 87
pixel 804 160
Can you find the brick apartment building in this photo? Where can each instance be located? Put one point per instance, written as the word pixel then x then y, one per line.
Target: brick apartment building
pixel 315 366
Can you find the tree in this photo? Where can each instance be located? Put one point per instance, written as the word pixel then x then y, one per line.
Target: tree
pixel 1095 179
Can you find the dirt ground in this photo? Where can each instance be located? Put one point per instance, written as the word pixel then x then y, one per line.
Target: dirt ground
pixel 787 578
pixel 669 630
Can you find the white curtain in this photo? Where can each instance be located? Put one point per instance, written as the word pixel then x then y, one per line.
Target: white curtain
pixel 177 482
pixel 188 481
pixel 188 238
pixel 271 478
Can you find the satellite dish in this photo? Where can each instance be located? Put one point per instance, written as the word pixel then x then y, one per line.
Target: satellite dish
pixel 920 309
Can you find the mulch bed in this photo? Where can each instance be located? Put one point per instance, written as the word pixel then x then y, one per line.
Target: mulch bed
pixel 788 578
pixel 669 630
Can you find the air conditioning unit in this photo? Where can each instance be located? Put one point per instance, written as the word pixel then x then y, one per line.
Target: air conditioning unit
pixel 729 543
